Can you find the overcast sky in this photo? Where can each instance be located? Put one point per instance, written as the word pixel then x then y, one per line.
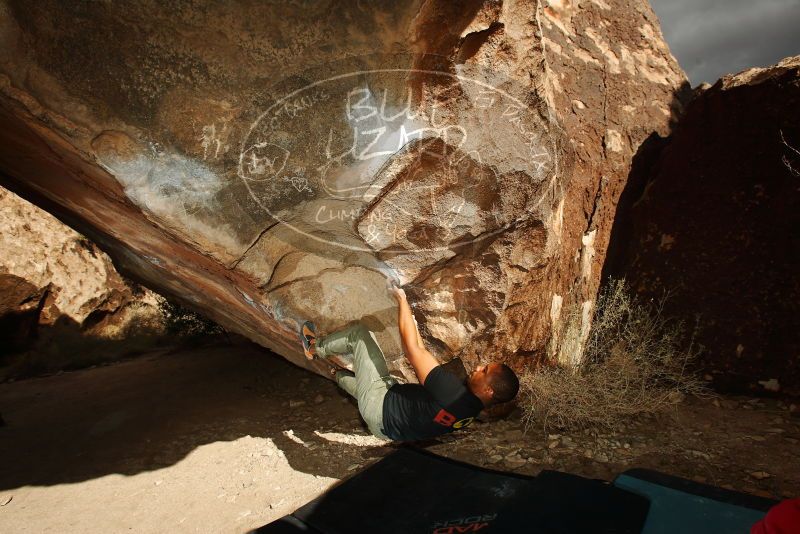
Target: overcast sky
pixel 710 38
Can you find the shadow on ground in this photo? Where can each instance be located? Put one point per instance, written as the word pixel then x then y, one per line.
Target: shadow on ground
pixel 154 411
pixel 140 416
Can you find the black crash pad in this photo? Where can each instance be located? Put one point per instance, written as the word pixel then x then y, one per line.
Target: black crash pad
pixel 412 491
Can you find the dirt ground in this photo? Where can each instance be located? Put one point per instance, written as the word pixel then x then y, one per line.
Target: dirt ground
pixel 227 438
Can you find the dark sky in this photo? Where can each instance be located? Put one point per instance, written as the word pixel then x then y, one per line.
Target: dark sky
pixel 710 38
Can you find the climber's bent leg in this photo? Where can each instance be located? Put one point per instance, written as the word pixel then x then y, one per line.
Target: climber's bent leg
pixel 372 379
pixel 347 381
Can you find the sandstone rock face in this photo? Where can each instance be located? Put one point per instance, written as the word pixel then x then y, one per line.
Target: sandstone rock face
pixel 272 162
pixel 51 275
pixel 715 222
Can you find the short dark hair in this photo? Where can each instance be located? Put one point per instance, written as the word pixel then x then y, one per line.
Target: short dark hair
pixel 504 383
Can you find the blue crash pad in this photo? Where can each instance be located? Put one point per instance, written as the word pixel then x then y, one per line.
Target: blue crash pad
pixel 680 505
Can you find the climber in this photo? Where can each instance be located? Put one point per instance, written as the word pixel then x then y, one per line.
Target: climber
pixel 439 404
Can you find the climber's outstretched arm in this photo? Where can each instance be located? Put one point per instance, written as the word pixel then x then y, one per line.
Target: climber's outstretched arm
pixel 418 356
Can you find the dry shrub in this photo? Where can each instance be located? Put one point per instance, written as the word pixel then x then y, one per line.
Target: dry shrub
pixel 634 361
pixel 180 321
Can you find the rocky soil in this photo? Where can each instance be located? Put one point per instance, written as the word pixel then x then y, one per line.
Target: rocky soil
pixel 226 438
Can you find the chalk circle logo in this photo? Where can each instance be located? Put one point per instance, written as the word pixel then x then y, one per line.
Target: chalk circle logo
pixel 410 158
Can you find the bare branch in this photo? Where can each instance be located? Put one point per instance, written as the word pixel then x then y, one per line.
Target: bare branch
pixel 793 149
pixel 785 159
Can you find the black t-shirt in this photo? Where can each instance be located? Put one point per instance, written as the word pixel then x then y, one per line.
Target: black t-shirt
pixel 413 412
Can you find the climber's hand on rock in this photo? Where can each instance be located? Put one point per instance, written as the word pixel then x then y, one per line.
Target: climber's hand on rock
pixel 398 293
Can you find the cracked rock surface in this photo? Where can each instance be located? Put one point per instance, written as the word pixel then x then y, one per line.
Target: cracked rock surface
pixel 271 163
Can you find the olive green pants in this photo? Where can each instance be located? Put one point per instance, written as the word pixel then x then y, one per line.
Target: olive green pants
pixel 370 380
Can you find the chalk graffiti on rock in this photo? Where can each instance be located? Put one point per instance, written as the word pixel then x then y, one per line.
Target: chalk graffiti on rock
pixel 264 161
pixel 403 172
pixel 212 142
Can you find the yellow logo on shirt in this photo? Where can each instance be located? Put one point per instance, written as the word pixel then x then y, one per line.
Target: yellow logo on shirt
pixel 445 418
pixel 463 422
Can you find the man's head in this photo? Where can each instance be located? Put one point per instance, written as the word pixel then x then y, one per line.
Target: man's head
pixel 493 383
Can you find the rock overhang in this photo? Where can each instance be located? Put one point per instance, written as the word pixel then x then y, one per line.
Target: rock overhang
pixel 250 168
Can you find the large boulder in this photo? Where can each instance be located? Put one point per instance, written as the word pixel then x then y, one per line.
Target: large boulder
pixel 713 220
pixel 56 285
pixel 267 163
